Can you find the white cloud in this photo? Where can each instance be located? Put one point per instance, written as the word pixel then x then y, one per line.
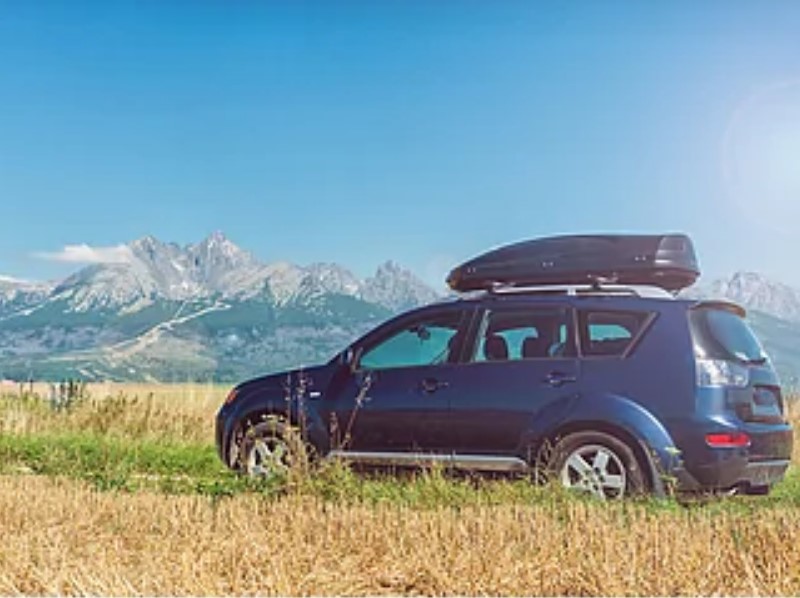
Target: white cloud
pixel 12 280
pixel 85 254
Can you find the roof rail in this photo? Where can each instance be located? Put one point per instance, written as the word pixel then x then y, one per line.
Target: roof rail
pixel 647 291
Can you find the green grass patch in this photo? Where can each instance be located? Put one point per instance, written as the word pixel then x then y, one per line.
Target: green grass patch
pixel 111 463
pixel 71 454
pixel 127 465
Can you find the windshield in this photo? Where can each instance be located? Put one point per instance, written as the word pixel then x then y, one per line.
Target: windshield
pixel 722 334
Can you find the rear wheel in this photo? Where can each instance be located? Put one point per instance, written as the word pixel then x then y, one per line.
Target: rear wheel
pixel 598 464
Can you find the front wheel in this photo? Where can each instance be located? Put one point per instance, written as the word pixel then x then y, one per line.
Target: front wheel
pixel 270 449
pixel 598 464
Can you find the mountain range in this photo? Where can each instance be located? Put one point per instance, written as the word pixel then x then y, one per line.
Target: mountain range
pixel 211 310
pixel 205 311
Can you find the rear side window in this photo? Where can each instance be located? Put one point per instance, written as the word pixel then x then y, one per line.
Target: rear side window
pixel 511 334
pixel 609 333
pixel 723 334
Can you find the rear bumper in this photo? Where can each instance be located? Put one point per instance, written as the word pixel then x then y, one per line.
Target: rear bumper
pixel 733 474
pixel 762 463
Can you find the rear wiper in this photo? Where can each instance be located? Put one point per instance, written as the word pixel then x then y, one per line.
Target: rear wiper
pixel 756 361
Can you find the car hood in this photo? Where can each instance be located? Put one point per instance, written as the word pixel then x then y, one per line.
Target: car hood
pixel 286 381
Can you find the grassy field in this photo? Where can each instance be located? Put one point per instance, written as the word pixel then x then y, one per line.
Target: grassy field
pixel 123 494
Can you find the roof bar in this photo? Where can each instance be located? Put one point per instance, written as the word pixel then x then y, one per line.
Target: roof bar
pixel 584 289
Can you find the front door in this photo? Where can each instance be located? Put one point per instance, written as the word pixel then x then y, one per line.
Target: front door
pixel 398 397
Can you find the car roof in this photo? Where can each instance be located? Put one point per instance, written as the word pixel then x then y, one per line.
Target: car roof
pixel 610 297
pixel 596 300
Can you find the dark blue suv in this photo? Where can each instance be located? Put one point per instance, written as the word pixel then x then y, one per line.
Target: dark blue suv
pixel 614 389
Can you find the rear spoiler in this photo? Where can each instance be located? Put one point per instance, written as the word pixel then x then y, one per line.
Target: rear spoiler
pixel 721 304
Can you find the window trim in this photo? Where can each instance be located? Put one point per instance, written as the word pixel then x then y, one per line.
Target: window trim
pixel 650 317
pixel 393 327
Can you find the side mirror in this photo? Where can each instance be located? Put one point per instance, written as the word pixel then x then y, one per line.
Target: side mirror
pixel 421 331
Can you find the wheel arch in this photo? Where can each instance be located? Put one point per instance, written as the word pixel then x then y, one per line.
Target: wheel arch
pixel 645 460
pixel 619 416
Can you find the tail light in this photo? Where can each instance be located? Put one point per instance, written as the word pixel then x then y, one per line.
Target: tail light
pixel 719 372
pixel 728 440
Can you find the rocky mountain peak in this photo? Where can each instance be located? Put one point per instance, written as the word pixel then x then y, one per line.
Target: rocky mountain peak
pixel 19 292
pixel 754 292
pixel 397 288
pixel 217 244
pixel 146 242
pixel 390 267
pixel 217 267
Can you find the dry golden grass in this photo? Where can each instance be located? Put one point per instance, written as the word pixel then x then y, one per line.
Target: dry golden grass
pixel 60 538
pixel 180 412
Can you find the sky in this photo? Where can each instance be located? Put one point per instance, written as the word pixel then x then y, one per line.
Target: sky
pixel 422 132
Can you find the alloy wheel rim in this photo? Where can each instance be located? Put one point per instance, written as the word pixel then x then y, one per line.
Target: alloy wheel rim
pixel 268 457
pixel 596 470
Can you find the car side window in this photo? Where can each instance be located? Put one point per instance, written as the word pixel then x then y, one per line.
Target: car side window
pixel 609 333
pixel 425 341
pixel 510 334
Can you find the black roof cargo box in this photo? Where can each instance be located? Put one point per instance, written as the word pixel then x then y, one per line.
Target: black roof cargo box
pixel 665 261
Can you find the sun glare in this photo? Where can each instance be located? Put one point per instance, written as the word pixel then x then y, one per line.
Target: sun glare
pixel 761 157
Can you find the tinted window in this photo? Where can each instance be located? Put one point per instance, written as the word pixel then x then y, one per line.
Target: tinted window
pixel 609 333
pixel 423 342
pixel 722 334
pixel 513 334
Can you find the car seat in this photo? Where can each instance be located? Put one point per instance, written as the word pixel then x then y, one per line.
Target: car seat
pixel 534 347
pixel 495 348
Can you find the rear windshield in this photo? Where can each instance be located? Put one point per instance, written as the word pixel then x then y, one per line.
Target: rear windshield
pixel 722 334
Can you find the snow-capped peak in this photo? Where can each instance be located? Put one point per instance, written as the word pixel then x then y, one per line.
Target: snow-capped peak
pixel 22 292
pixel 216 267
pixel 11 282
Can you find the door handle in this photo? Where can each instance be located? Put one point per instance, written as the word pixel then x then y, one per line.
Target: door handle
pixel 431 385
pixel 558 378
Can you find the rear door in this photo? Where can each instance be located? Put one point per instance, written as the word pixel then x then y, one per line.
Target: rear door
pixel 521 359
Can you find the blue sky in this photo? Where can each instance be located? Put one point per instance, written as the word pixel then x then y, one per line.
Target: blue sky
pixel 424 132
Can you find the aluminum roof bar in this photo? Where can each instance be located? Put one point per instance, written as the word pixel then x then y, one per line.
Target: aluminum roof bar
pixel 584 289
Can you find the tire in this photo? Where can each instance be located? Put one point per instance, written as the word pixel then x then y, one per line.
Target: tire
pixel 270 449
pixel 758 490
pixel 598 464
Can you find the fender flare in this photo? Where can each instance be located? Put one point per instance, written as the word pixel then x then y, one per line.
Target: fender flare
pixel 613 414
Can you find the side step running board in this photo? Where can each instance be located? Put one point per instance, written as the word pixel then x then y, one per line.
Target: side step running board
pixel 466 462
